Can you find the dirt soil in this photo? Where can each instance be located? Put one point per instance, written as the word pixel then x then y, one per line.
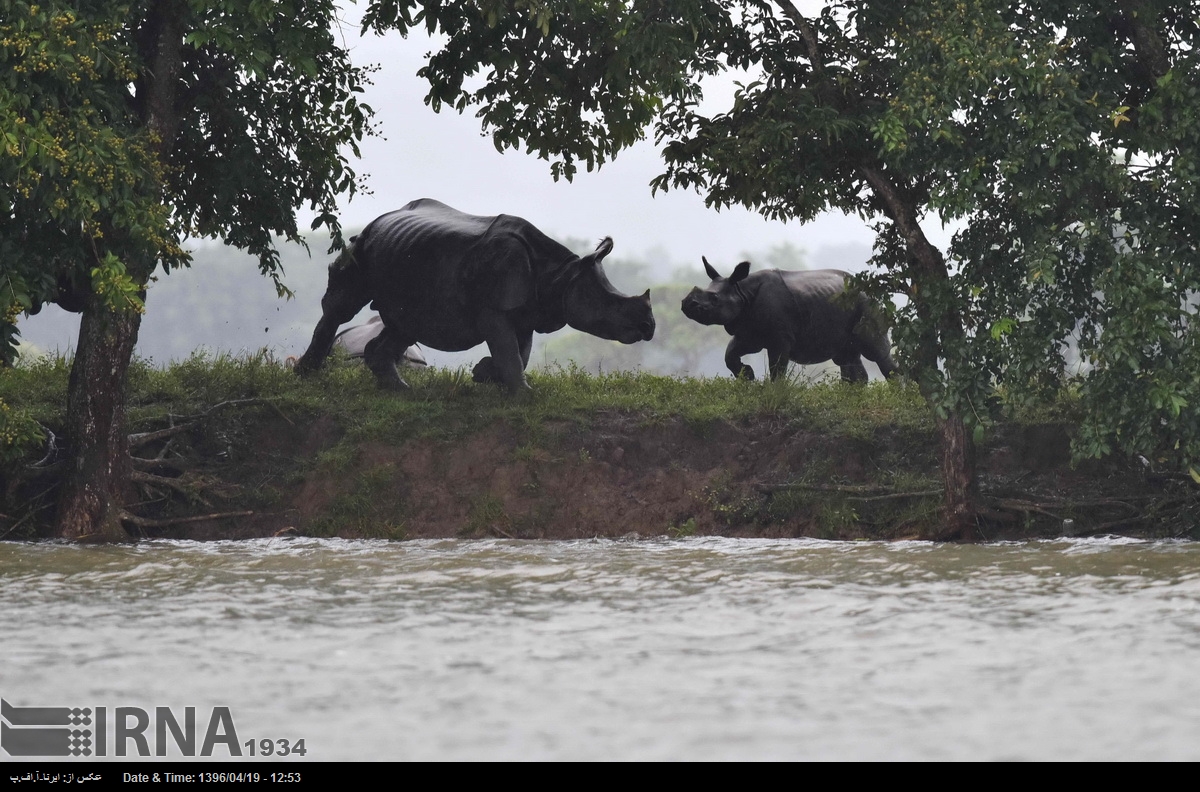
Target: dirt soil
pixel 620 475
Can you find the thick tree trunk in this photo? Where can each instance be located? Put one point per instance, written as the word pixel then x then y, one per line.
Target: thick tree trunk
pixel 958 478
pixel 928 272
pixel 94 491
pixel 93 497
pixel 929 277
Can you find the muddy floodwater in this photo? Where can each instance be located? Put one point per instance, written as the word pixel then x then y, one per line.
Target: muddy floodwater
pixel 687 649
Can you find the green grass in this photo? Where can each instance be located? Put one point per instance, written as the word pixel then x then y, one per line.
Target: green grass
pixel 445 404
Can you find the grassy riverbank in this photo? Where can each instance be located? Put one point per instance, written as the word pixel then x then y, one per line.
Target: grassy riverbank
pixel 230 448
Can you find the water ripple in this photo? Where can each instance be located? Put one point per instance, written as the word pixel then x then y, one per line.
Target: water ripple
pixel 705 648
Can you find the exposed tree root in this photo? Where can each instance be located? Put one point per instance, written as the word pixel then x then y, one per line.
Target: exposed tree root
pixel 146 522
pixel 895 496
pixel 1093 515
pixel 177 463
pixel 153 473
pixel 1159 508
pixel 51 448
pixel 142 438
pixel 190 487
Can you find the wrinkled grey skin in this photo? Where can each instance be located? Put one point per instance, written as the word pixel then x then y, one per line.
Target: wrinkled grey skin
pixel 450 280
pixel 806 317
pixel 353 341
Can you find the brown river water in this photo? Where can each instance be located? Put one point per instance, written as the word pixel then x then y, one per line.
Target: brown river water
pixel 688 649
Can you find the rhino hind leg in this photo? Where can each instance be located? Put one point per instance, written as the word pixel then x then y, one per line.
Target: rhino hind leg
pixel 344 298
pixel 887 366
pixel 381 354
pixel 871 336
pixel 777 361
pixel 852 369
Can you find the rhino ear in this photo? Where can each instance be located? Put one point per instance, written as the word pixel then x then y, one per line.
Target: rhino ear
pixel 708 268
pixel 603 249
pixel 646 296
pixel 740 271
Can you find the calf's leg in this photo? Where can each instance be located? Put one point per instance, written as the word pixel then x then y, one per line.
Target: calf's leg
pixel 777 360
pixel 738 347
pixel 852 369
pixel 870 335
pixel 525 343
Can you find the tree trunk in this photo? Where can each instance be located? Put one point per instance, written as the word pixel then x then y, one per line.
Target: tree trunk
pixel 929 274
pixel 95 489
pixel 958 478
pixel 93 497
pixel 929 278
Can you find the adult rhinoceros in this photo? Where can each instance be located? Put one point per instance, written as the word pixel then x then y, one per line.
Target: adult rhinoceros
pixel 450 280
pixel 806 317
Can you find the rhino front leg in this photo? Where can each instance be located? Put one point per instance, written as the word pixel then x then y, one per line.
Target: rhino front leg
pixel 486 369
pixel 507 362
pixel 733 357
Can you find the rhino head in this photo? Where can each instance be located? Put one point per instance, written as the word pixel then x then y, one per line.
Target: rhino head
pixel 591 304
pixel 720 302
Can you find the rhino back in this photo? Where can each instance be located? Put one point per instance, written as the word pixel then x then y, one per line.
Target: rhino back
pixel 440 267
pixel 808 308
pixel 823 285
pixel 424 225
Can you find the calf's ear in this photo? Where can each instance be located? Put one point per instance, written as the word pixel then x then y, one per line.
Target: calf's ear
pixel 740 271
pixel 708 269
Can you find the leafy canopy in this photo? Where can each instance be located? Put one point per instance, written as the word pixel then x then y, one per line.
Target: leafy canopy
pixel 265 106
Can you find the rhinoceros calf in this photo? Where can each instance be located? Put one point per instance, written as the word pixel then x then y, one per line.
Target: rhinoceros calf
pixel 806 317
pixel 353 341
pixel 450 280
